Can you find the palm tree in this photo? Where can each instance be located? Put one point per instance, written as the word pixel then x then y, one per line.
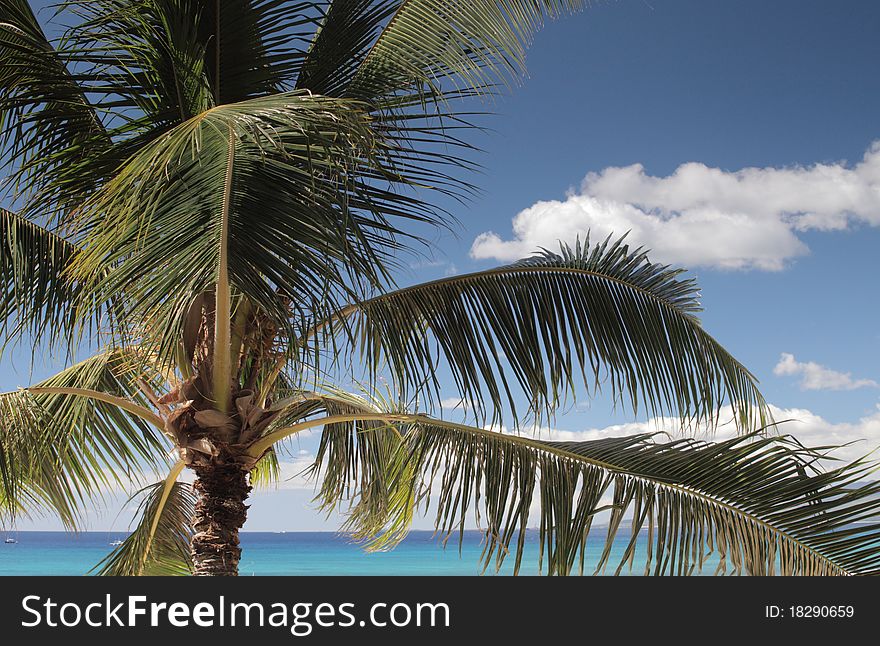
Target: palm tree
pixel 209 199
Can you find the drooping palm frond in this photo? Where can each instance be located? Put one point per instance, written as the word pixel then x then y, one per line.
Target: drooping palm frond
pixel 38 296
pixel 67 438
pixel 603 314
pixel 361 468
pixel 757 503
pixel 48 126
pixel 32 478
pixel 159 542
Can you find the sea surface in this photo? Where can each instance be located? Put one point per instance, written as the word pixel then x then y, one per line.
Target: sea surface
pixel 296 553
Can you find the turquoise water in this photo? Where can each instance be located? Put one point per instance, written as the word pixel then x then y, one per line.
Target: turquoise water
pixel 293 553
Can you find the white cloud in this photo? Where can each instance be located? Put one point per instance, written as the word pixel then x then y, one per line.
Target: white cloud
pixel 810 429
pixel 817 377
pixel 702 216
pixel 813 430
pixel 453 403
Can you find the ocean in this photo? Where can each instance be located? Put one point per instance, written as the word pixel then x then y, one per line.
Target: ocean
pixel 293 553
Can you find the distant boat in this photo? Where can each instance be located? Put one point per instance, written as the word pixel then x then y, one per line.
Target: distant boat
pixel 9 540
pixel 115 543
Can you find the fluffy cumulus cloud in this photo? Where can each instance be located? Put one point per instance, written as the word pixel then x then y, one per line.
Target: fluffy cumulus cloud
pixel 816 377
pixel 702 216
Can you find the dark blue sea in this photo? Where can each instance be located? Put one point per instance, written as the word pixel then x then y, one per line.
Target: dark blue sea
pixel 291 553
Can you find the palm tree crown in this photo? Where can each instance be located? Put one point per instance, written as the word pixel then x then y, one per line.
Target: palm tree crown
pixel 214 196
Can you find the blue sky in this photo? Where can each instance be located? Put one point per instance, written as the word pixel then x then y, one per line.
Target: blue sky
pixel 786 253
pixel 730 85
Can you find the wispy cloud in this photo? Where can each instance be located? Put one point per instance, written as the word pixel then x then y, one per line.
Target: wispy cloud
pixel 703 216
pixel 293 472
pixel 817 377
pixel 448 267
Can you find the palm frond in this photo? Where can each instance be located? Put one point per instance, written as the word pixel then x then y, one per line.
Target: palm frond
pixel 266 472
pixel 32 479
pixel 159 543
pixel 60 446
pixel 756 502
pixel 603 315
pixel 363 468
pixel 345 34
pixel 306 222
pixel 48 127
pixel 38 297
pixel 474 44
pixel 171 60
pixel 257 49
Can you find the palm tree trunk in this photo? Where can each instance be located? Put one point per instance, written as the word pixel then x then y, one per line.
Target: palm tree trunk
pixel 220 512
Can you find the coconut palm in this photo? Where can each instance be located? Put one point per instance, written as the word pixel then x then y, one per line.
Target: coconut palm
pixel 209 200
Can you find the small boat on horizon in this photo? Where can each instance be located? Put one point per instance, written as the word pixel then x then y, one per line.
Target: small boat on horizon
pixel 9 540
pixel 115 543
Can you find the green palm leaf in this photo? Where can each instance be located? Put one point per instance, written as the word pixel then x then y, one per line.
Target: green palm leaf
pixel 38 296
pixel 601 314
pixel 69 437
pixel 160 222
pixel 466 44
pixel 159 543
pixel 346 32
pixel 363 467
pixel 50 130
pixel 756 502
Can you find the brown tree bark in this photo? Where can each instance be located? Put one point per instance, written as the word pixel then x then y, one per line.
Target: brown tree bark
pixel 220 512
